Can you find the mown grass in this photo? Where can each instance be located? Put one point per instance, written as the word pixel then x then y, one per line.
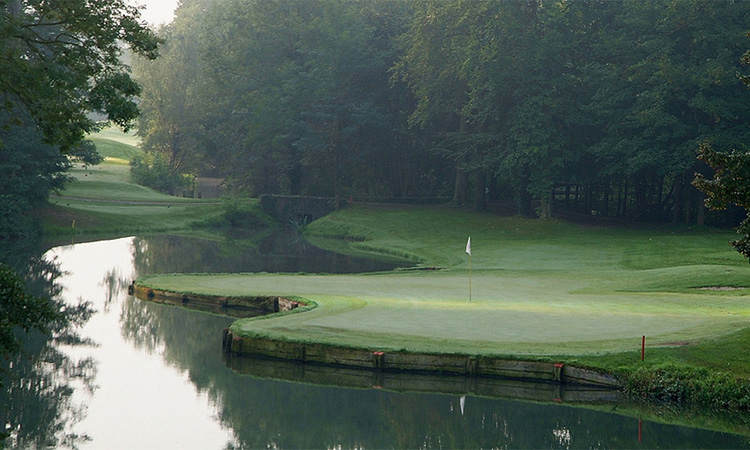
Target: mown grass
pixel 539 289
pixel 115 150
pixel 103 200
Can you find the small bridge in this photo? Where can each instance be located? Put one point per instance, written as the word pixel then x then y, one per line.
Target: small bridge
pixel 297 209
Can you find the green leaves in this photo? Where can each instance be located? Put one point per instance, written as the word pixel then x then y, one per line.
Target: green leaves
pixel 512 98
pixel 61 60
pixel 729 185
pixel 29 170
pixel 731 181
pixel 21 311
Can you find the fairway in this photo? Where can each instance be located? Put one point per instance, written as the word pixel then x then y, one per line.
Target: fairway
pixel 103 198
pixel 538 288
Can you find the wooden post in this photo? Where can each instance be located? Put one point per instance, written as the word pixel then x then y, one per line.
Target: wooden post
pixel 468 250
pixel 643 348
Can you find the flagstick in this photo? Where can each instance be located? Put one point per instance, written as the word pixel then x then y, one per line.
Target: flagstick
pixel 470 277
pixel 468 250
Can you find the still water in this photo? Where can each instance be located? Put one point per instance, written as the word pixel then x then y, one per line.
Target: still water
pixel 143 375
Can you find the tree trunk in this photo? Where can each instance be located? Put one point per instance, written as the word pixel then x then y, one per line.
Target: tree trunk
pixel 545 209
pixel 607 192
pixel 678 200
pixel 480 193
pixel 689 200
pixel 701 220
pixel 461 188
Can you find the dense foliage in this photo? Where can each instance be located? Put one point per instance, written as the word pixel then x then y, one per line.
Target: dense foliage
pixel 729 186
pixel 686 385
pixel 20 311
pixel 599 106
pixel 153 170
pixel 59 62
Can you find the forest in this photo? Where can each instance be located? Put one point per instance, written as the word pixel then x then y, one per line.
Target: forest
pixel 595 107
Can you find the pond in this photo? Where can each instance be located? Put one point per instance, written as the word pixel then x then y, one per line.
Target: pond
pixel 145 375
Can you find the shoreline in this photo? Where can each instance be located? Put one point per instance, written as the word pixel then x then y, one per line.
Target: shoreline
pixel 232 306
pixel 374 359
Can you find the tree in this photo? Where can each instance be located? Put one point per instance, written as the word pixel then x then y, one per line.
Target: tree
pixel 29 170
pixel 730 185
pixel 288 97
pixel 21 311
pixel 60 60
pixel 665 81
pixel 434 54
pixel 493 79
pixel 169 103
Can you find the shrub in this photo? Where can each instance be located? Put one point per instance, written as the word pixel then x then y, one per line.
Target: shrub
pixel 154 171
pixel 691 386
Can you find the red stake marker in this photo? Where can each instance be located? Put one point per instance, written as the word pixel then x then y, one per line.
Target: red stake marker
pixel 643 348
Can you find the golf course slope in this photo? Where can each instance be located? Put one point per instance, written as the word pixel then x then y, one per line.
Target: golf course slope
pixel 103 199
pixel 544 290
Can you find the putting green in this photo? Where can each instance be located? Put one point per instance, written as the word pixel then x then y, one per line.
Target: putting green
pixel 540 289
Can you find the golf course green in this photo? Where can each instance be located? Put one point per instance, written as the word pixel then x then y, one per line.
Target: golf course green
pixel 579 293
pixel 537 287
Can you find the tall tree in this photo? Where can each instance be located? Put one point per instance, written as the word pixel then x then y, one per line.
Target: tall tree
pixel 293 96
pixel 60 60
pixel 433 58
pixel 730 184
pixel 670 84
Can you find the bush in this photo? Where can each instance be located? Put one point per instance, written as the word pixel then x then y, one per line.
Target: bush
pixel 240 213
pixel 691 386
pixel 154 171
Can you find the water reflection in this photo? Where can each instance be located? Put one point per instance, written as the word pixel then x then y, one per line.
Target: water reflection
pixel 152 376
pixel 36 406
pixel 283 251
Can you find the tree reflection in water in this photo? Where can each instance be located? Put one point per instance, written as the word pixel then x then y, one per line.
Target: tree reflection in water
pixel 279 252
pixel 35 398
pixel 267 412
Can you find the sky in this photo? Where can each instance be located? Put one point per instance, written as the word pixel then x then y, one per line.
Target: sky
pixel 156 12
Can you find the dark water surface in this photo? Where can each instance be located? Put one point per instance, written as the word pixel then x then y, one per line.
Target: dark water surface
pixel 144 375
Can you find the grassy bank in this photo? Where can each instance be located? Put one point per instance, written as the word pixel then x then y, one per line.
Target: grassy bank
pixel 539 290
pixel 606 283
pixel 546 290
pixel 103 200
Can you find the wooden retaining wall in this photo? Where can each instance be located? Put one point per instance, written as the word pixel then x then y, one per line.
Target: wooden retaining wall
pixel 230 306
pixel 421 382
pixel 361 358
pixel 455 364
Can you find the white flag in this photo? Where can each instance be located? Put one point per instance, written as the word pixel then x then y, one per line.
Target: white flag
pixel 468 246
